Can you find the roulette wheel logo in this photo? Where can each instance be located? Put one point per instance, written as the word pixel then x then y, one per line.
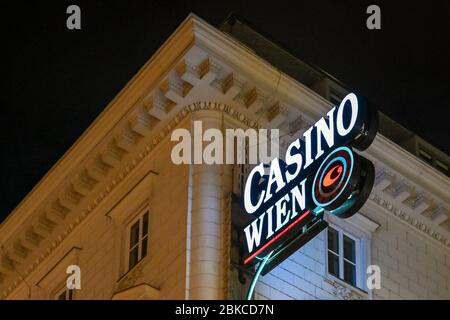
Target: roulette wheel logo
pixel 342 182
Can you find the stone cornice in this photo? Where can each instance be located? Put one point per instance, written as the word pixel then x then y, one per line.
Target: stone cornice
pixel 154 102
pixel 412 220
pixel 95 165
pixel 299 96
pixel 127 168
pixel 259 71
pixel 193 29
pixel 411 190
pixel 399 160
pixel 181 40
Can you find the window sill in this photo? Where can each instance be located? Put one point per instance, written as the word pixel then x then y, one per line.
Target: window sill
pixel 132 276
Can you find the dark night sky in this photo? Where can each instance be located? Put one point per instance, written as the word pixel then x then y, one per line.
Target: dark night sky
pixel 60 80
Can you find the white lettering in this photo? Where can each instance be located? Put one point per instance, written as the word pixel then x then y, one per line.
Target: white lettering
pixel 307 136
pixel 354 114
pixel 298 198
pixel 325 130
pixel 253 237
pixel 249 207
pixel 276 177
pixel 293 159
pixel 281 212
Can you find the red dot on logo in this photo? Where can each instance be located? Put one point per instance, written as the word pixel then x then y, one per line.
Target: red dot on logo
pixel 332 175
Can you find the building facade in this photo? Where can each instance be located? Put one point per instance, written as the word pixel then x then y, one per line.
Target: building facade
pixel 139 226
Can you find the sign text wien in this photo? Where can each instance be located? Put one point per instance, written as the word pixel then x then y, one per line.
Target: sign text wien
pixel 320 172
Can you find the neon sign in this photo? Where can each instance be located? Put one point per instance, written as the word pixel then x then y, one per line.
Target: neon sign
pixel 321 172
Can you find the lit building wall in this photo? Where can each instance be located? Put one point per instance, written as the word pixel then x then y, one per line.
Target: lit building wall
pixel 412 267
pixel 90 210
pixel 99 245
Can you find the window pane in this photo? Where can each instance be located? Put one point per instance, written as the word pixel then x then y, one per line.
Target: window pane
pixel 144 247
pixel 145 225
pixel 333 240
pixel 134 234
pixel 333 264
pixel 134 257
pixel 349 249
pixel 349 273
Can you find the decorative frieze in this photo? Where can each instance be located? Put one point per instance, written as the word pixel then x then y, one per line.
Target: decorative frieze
pixel 132 277
pixel 32 239
pixel 412 204
pixel 277 114
pixel 344 292
pixel 409 218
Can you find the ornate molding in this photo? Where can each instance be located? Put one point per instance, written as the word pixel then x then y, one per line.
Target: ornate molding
pixel 410 219
pixel 344 292
pixel 97 173
pixel 127 168
pixel 410 197
pixel 149 117
pixel 186 61
pixel 132 277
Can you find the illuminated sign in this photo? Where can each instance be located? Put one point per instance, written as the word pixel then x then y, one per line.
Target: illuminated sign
pixel 320 172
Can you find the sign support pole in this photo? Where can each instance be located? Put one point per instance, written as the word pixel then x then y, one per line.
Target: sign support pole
pixel 256 276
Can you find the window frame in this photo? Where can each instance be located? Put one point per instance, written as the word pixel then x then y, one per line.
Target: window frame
pixel 359 267
pixel 361 226
pixel 139 218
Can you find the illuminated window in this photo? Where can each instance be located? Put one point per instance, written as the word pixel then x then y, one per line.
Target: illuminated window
pixel 342 256
pixel 138 240
pixel 65 294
